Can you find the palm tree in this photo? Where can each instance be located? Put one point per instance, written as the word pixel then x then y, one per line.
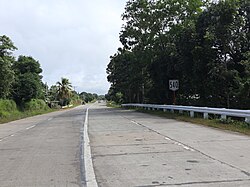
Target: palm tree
pixel 64 91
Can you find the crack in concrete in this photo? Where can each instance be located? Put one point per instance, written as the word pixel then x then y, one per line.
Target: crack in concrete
pixel 125 145
pixel 125 154
pixel 212 158
pixel 197 182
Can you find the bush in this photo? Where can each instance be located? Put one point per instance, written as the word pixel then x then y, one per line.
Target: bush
pixel 35 104
pixel 76 101
pixel 7 107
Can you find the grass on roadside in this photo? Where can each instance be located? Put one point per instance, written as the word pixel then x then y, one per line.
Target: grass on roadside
pixel 229 124
pixel 112 104
pixel 16 115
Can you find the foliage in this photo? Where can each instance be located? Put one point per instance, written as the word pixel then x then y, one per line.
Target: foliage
pixel 64 91
pixel 205 45
pixel 35 104
pixel 6 61
pixel 10 112
pixel 28 84
pixel 75 99
pixel 6 107
pixel 88 97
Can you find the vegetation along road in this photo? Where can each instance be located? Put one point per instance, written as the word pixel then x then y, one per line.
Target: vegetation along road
pixel 128 149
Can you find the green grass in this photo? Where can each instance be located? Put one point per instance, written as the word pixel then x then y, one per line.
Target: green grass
pixel 112 104
pixel 229 124
pixel 16 115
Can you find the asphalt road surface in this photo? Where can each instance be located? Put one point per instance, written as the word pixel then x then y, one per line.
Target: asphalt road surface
pixel 129 149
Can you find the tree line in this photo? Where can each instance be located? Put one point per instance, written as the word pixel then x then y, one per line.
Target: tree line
pixel 203 44
pixel 21 82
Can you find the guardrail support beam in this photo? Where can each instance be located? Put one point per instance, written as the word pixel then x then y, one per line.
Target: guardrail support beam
pixel 205 115
pixel 247 120
pixel 191 114
pixel 224 117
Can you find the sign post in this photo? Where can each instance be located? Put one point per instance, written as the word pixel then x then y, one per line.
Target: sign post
pixel 174 86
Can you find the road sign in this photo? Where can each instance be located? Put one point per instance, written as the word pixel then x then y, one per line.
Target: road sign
pixel 174 85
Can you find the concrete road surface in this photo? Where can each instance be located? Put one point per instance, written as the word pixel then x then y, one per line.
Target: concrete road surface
pixel 43 150
pixel 131 149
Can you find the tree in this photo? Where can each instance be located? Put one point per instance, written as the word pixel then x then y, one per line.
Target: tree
pixel 149 35
pixel 6 61
pixel 204 44
pixel 53 93
pixel 87 97
pixel 127 75
pixel 223 35
pixel 64 91
pixel 28 84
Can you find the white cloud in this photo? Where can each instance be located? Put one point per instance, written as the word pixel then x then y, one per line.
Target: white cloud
pixel 72 39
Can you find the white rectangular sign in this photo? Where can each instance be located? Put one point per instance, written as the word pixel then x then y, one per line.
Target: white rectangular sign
pixel 173 85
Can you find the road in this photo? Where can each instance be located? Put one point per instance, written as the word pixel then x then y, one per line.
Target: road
pixel 136 149
pixel 129 149
pixel 42 150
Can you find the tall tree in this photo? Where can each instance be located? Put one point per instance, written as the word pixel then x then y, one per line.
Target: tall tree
pixel 223 35
pixel 6 61
pixel 204 44
pixel 150 33
pixel 28 84
pixel 64 91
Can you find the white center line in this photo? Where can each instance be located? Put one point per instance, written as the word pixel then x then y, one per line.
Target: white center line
pixel 30 127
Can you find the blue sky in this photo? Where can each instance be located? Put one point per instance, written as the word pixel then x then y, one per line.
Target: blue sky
pixel 70 38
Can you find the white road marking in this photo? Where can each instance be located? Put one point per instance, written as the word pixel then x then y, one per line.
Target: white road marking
pixel 134 122
pixel 3 139
pixel 175 142
pixel 30 127
pixel 14 134
pixel 89 170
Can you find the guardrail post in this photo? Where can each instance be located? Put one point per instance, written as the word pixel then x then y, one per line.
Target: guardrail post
pixel 191 114
pixel 180 111
pixel 247 119
pixel 164 110
pixel 205 115
pixel 224 117
pixel 172 110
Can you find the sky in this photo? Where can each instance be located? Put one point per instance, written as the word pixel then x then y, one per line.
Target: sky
pixel 70 38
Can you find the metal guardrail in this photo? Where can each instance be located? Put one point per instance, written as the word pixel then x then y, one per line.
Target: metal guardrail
pixel 223 112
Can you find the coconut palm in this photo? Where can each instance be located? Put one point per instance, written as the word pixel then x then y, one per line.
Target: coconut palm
pixel 64 91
